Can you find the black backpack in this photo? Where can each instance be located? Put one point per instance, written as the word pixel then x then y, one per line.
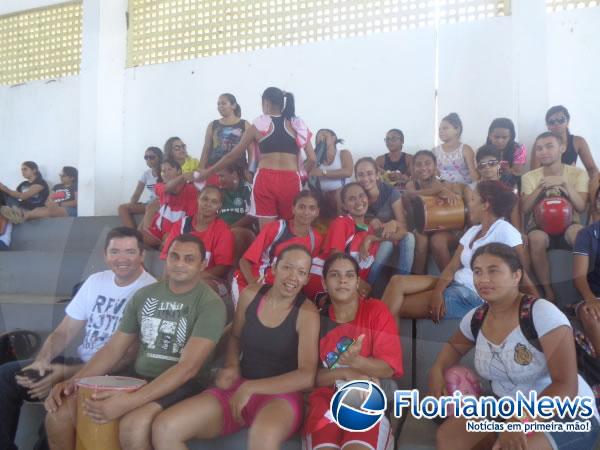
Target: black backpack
pixel 18 345
pixel 588 365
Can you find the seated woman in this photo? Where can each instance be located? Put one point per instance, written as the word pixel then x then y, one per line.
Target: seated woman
pixel 271 358
pixel 177 200
pixel 396 166
pixel 212 231
pixel 586 277
pixel 223 134
pixel 281 136
pixel 359 341
pixel 176 150
pixel 333 168
pixel 62 201
pixel 512 155
pixel 557 121
pixel 453 294
pixel 441 243
pixel 30 194
pixel 489 168
pixel 455 160
pixel 510 359
pixel 257 262
pixel 385 216
pixel 154 159
pixel 352 235
pixel 235 210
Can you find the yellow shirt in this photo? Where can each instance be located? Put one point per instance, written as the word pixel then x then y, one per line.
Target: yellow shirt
pixel 576 179
pixel 189 165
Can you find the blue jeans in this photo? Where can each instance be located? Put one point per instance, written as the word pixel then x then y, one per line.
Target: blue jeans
pixel 573 440
pixel 403 262
pixel 459 300
pixel 11 398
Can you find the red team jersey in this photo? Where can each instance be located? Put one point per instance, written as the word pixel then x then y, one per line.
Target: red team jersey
pixel 217 238
pixel 270 242
pixel 173 207
pixel 381 341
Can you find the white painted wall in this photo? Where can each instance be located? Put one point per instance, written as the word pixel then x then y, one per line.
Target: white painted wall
pixel 360 87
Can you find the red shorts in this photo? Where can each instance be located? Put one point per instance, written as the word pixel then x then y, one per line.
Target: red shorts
pixel 253 407
pixel 160 233
pixel 330 435
pixel 273 193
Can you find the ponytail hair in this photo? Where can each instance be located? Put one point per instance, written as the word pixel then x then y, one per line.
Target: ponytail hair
pixel 282 100
pixel 454 120
pixel 231 98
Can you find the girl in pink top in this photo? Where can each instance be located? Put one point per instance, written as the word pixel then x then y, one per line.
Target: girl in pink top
pixel 455 160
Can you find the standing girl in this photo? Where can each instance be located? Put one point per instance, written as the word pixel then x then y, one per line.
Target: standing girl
pixel 455 160
pixel 280 136
pixel 222 135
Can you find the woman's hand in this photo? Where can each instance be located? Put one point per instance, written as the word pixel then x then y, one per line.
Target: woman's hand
pixel 437 306
pixel 437 382
pixel 451 197
pixel 389 229
pixel 511 440
pixel 364 288
pixel 350 356
pixel 365 245
pixel 375 224
pixel 226 377
pixel 239 401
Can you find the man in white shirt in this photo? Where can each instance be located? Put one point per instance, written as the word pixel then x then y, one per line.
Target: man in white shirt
pixel 97 307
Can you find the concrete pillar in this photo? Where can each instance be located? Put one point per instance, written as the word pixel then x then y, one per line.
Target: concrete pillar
pixel 103 60
pixel 530 68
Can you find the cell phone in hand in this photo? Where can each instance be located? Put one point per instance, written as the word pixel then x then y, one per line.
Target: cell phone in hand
pixel 33 374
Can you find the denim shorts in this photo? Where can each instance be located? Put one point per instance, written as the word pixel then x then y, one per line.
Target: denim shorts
pixel 71 211
pixel 574 440
pixel 460 299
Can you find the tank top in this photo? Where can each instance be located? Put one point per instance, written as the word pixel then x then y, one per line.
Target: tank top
pixel 35 201
pixel 452 166
pixel 224 138
pixel 399 165
pixel 268 352
pixel 569 157
pixel 331 184
pixel 278 139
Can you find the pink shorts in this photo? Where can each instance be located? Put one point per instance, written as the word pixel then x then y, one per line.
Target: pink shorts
pixel 253 407
pixel 273 193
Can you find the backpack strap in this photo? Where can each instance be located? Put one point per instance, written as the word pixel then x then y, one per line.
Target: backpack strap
pixel 187 225
pixel 526 321
pixel 477 320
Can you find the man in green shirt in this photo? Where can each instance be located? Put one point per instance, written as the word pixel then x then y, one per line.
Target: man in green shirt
pixel 177 324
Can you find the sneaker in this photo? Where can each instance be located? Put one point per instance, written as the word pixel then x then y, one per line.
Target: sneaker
pixel 19 214
pixel 13 215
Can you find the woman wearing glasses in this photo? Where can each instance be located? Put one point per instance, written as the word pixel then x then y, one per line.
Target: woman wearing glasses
pixel 271 358
pixel 151 176
pixel 507 354
pixel 396 165
pixel 359 340
pixel 557 121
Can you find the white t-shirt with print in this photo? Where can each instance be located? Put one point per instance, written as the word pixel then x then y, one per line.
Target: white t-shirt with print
pixel 149 180
pixel 100 302
pixel 516 364
pixel 501 231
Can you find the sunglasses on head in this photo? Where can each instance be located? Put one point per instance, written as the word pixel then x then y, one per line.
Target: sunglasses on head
pixel 149 157
pixel 341 347
pixel 558 121
pixel 490 163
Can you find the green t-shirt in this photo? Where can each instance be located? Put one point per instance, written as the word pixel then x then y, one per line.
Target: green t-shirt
pixel 236 204
pixel 165 322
